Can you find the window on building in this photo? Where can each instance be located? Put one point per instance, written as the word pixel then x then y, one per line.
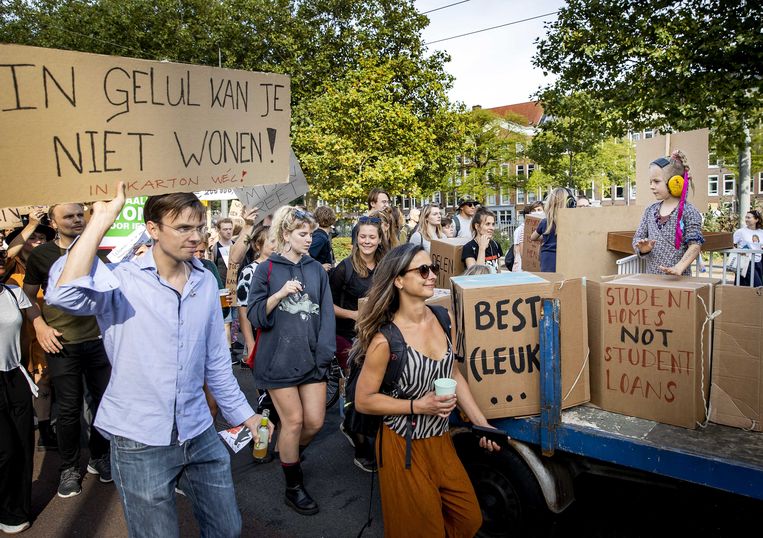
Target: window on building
pixel 760 183
pixel 619 192
pixel 606 193
pixel 591 192
pixel 728 184
pixel 520 196
pixel 752 184
pixel 532 196
pixel 633 191
pixel 437 197
pixel 712 185
pixel 712 159
pixel 491 198
pixel 635 136
pixel 504 171
pixel 648 133
pixel 530 170
pixel 505 196
pixel 520 147
pixel 520 169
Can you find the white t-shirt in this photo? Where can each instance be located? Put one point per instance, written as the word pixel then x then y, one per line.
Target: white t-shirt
pixel 745 238
pixel 466 227
pixel 10 327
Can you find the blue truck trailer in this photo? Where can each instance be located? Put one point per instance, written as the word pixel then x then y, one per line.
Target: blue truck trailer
pixel 550 450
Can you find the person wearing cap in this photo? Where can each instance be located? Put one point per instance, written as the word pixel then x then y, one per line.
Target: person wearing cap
pixel 467 207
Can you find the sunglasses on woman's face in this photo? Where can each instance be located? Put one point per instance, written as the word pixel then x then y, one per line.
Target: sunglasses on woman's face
pixel 424 270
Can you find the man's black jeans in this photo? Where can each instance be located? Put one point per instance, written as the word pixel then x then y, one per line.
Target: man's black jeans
pixel 66 370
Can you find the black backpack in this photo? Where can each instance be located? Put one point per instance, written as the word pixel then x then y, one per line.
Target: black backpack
pixel 369 425
pixel 509 260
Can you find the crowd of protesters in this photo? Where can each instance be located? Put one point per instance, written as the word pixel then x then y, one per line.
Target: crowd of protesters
pixel 74 327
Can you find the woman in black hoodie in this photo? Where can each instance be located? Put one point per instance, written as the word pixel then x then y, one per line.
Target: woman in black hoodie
pixel 290 301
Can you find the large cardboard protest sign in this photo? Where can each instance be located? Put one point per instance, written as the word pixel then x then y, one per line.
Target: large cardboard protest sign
pixel 270 197
pixel 581 240
pixel 531 249
pixel 498 339
pixel 73 124
pixel 447 253
pixel 647 344
pixel 736 393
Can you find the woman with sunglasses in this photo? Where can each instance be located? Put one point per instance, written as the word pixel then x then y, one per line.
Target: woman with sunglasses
pixel 350 280
pixel 482 249
pixel 433 497
pixel 430 227
pixel 751 236
pixel 290 301
pixel 16 412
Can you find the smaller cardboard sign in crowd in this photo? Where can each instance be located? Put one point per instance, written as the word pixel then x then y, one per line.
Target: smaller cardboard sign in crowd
pixel 447 254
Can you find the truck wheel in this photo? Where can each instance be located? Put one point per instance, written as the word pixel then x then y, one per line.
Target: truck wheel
pixel 507 490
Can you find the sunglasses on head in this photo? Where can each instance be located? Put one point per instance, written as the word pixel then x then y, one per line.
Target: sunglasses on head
pixel 302 215
pixel 424 270
pixel 369 220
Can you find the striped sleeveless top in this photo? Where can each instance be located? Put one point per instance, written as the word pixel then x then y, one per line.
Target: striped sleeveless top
pixel 416 380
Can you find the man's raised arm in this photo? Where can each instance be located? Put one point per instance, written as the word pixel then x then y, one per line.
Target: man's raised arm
pixel 81 255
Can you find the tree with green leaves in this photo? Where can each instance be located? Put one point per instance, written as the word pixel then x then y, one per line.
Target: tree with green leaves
pixel 656 64
pixel 360 133
pixel 489 140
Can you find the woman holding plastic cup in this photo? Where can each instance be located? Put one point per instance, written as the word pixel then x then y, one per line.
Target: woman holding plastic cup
pixel 433 497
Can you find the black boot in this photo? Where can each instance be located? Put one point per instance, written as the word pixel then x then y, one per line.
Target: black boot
pixel 296 496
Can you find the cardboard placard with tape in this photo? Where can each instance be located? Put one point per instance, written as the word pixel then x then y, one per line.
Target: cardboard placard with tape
pixel 736 392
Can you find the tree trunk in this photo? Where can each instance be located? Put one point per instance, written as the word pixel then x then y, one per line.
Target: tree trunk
pixel 745 162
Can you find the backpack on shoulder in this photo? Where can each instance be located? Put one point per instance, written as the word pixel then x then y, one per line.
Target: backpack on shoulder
pixel 370 425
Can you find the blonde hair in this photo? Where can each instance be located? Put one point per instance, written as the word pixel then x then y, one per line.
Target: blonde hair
pixel 424 223
pixel 390 238
pixel 287 219
pixel 556 201
pixel 478 269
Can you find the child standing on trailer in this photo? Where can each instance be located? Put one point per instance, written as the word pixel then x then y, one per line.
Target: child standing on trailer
pixel 670 233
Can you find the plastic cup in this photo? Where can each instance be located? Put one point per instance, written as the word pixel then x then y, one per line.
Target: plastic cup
pixel 444 386
pixel 224 298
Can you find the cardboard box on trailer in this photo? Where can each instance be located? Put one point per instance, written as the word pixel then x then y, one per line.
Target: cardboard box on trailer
pixel 736 392
pixel 650 347
pixel 498 337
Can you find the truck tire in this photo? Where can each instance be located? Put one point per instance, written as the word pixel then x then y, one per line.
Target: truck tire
pixel 509 494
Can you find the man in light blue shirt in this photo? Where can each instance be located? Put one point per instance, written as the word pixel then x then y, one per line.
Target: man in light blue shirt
pixel 163 331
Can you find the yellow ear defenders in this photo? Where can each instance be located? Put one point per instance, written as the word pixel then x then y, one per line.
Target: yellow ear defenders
pixel 676 186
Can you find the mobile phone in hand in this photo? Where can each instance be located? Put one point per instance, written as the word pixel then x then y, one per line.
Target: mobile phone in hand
pixel 499 437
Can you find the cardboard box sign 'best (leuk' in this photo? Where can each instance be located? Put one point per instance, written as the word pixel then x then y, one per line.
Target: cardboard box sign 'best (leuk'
pixel 647 350
pixel 498 339
pixel 73 124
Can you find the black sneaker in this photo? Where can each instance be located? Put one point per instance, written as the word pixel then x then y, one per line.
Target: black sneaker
pixel 68 485
pixel 100 467
pixel 347 435
pixel 365 464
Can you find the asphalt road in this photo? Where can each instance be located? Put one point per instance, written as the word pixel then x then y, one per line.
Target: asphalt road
pixel 605 507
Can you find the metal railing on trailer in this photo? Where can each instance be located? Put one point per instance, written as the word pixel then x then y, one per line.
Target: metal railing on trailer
pixel 736 262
